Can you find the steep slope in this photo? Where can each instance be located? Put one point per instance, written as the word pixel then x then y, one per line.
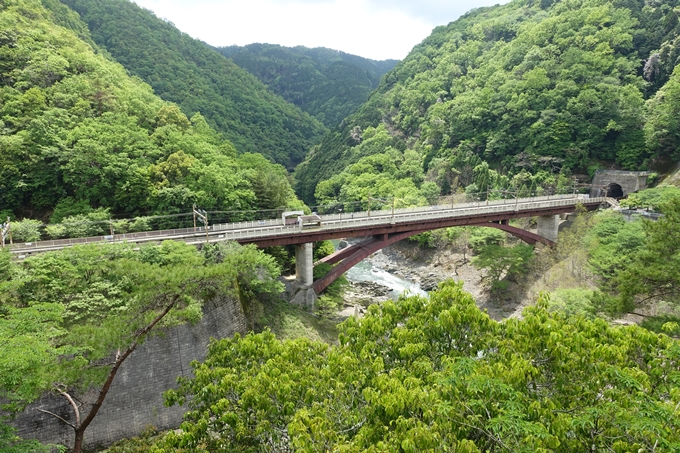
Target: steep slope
pixel 184 70
pixel 77 130
pixel 533 88
pixel 328 84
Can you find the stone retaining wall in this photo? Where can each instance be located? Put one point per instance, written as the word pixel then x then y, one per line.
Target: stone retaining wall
pixel 135 399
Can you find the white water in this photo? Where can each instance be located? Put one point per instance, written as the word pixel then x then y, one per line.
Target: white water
pixel 366 272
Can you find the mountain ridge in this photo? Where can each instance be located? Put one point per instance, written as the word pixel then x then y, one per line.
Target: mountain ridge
pixel 328 84
pixel 189 73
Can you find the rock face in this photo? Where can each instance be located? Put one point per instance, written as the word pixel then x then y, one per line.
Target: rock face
pixel 366 293
pixel 135 399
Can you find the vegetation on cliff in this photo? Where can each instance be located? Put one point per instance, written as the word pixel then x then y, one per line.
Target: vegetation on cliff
pixel 186 71
pixel 77 133
pixel 529 87
pixel 69 319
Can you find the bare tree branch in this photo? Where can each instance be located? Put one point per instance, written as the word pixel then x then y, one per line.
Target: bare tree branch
pixel 56 416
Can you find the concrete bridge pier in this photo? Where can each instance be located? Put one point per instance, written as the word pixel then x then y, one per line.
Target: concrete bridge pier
pixel 304 264
pixel 303 293
pixel 548 226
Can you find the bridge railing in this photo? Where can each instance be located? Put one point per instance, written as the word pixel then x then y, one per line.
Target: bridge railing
pixel 275 227
pixel 386 210
pixel 385 217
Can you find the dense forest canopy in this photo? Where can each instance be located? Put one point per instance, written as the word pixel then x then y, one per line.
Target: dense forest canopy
pixel 328 84
pixel 437 375
pixel 185 71
pixel 77 130
pixel 529 86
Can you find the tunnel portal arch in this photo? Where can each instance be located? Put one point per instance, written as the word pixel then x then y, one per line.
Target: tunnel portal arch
pixel 614 190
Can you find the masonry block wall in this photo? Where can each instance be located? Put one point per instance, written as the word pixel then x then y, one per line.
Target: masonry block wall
pixel 135 399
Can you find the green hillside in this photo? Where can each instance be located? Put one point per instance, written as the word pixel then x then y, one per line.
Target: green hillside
pixel 185 71
pixel 328 84
pixel 78 133
pixel 534 88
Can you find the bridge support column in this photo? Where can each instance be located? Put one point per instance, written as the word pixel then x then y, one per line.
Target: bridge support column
pixel 304 264
pixel 548 227
pixel 301 292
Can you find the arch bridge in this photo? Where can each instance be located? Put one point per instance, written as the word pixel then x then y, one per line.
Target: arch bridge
pixel 380 228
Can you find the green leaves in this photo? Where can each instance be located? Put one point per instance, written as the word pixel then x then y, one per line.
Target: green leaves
pixel 437 375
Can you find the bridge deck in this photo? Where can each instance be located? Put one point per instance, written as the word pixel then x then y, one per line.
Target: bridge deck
pixel 274 232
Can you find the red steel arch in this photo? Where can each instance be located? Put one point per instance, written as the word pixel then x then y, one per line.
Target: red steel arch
pixel 353 254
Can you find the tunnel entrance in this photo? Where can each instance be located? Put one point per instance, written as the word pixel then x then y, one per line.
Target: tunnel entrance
pixel 614 191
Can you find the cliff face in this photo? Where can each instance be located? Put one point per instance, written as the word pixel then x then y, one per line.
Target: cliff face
pixel 135 400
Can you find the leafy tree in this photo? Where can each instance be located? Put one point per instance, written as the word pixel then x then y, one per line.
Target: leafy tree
pixel 654 270
pixel 26 231
pixel 437 375
pixel 79 134
pixel 11 443
pixel 73 317
pixel 500 262
pixel 652 198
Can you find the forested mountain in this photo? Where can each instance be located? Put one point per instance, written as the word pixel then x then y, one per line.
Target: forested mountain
pixel 185 71
pixel 512 96
pixel 328 84
pixel 77 132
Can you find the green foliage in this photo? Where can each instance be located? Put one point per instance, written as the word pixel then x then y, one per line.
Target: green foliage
pixel 652 198
pixel 11 443
pixel 437 374
pixel 573 302
pixel 654 269
pixel 78 134
pixel 26 230
pixel 28 337
pixel 503 262
pixel 186 71
pixel 64 313
pixel 5 264
pixel 613 243
pixel 68 207
pixel 328 84
pixel 663 126
pixel 526 87
pixel 481 237
pixel 385 173
pixel 322 249
pixel 138 444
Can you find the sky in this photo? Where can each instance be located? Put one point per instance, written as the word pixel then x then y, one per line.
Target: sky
pixel 376 29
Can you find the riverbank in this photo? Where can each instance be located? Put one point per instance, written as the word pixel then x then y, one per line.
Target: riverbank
pixel 427 268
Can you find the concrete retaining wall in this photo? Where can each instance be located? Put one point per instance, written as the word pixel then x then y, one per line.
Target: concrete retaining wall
pixel 135 399
pixel 630 181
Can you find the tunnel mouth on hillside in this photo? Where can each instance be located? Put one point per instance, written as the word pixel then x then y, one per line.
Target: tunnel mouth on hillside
pixel 614 190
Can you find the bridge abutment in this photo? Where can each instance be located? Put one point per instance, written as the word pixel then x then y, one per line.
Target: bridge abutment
pixel 548 227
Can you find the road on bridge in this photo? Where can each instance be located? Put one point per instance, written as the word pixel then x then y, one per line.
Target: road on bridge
pixel 366 223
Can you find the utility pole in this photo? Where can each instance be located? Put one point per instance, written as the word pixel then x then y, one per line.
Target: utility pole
pixel 193 208
pixel 203 218
pixel 392 206
pixel 5 230
pixel 369 204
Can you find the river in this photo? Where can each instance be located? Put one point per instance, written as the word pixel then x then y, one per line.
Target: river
pixel 365 271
